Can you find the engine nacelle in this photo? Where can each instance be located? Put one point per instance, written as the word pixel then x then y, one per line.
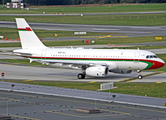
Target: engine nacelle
pixel 121 71
pixel 97 71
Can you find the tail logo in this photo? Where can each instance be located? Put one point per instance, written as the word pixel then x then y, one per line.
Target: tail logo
pixel 25 29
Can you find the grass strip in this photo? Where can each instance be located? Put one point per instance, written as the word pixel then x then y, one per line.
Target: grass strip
pixel 141 89
pixel 21 62
pixel 90 9
pixel 140 47
pixel 132 19
pixel 127 40
pixel 12 33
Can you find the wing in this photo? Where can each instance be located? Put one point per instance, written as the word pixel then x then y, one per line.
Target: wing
pixel 69 64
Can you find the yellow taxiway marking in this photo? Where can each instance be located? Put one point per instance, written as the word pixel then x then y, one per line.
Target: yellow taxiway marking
pixel 23 117
pixel 107 36
pixel 102 36
pixel 129 79
pixel 9 99
pixel 158 82
pixel 147 75
pixel 116 111
pixel 92 82
pixel 61 112
pixel 64 113
pixel 86 102
pixel 29 80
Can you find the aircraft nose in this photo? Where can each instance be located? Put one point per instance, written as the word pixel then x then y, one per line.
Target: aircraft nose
pixel 157 64
pixel 162 63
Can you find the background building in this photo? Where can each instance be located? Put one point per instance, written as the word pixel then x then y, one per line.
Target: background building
pixel 16 4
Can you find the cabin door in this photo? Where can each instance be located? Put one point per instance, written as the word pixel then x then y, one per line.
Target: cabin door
pixel 136 56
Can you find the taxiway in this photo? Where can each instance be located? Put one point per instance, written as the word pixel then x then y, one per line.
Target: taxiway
pixel 26 102
pixel 130 31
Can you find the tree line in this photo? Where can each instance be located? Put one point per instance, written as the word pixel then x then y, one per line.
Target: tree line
pixel 81 2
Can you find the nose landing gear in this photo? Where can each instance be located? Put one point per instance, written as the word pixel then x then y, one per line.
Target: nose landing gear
pixel 139 76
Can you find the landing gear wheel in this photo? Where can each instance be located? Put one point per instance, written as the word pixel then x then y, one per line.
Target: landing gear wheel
pixel 81 76
pixel 140 76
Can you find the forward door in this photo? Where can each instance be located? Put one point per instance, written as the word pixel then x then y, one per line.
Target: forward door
pixel 136 57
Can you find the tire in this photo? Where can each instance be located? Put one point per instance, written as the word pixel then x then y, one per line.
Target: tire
pixel 140 76
pixel 81 76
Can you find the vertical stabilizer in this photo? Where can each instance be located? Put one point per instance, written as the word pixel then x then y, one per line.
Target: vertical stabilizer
pixel 27 36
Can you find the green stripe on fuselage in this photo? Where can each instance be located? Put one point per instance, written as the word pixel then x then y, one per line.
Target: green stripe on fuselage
pixel 22 30
pixel 149 64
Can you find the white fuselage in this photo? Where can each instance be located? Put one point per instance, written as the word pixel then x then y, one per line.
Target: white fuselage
pixel 114 58
pixel 92 62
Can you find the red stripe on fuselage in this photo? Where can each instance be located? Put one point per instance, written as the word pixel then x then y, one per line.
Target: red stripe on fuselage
pixel 155 64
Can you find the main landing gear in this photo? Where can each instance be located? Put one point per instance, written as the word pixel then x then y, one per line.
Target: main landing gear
pixel 139 76
pixel 81 76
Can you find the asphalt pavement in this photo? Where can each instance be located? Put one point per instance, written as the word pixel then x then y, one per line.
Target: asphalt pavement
pixel 81 14
pixel 33 106
pixel 129 31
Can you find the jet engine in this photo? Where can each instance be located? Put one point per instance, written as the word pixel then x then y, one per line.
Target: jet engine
pixel 97 71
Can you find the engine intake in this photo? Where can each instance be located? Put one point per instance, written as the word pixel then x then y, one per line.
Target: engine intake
pixel 97 71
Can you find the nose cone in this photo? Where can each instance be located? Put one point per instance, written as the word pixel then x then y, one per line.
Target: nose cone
pixel 157 64
pixel 160 64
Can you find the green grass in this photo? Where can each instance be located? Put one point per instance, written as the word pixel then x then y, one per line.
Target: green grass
pixel 141 89
pixel 97 9
pixel 21 61
pixel 12 33
pixel 134 19
pixel 97 42
pixel 106 41
pixel 141 47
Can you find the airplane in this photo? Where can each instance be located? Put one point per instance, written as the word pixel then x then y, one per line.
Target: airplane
pixel 91 62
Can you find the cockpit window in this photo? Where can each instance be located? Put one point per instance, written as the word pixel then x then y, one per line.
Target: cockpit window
pixel 151 56
pixel 154 56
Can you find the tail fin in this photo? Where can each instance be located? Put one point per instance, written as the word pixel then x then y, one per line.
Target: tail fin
pixel 28 37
